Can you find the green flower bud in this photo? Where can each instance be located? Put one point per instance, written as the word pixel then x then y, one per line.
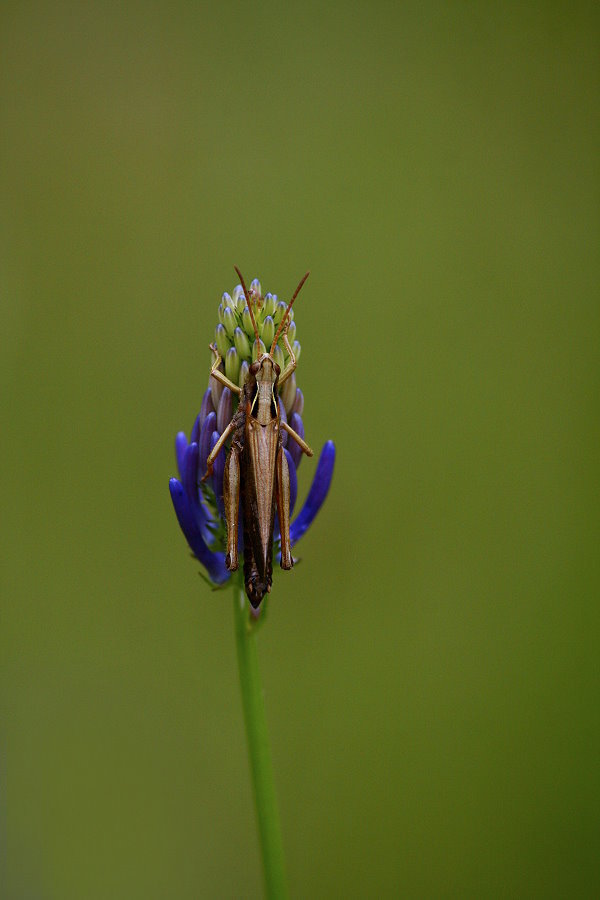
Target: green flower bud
pixel 258 350
pixel 297 350
pixel 222 341
pixel 288 394
pixel 227 301
pixel 268 331
pixel 242 344
pixel 220 311
pixel 279 311
pixel 238 292
pixel 278 357
pixel 292 332
pixel 229 321
pixel 255 286
pixel 247 323
pixel 244 369
pixel 232 365
pixel 240 304
pixel 216 389
pixel 269 306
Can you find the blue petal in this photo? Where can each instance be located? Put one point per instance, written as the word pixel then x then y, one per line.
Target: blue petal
pixel 317 493
pixel 298 406
pixel 225 410
pixel 207 406
pixel 195 432
pixel 189 477
pixel 190 483
pixel 180 448
pixel 208 426
pixel 214 563
pixel 295 449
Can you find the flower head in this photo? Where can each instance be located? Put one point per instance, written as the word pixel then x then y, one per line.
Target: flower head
pixel 200 506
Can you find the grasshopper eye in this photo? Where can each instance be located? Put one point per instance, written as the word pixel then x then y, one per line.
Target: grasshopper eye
pixel 254 367
pixel 277 369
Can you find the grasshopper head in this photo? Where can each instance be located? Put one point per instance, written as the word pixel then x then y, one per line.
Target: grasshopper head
pixel 265 369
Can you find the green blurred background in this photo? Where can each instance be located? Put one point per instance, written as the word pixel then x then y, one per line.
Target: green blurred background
pixel 431 668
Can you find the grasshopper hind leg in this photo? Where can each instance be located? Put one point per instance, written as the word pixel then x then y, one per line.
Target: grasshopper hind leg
pixel 231 498
pixel 283 508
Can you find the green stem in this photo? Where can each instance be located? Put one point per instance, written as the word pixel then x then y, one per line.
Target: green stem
pixel 258 749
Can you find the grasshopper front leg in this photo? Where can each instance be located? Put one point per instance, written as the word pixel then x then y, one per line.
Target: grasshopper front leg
pixel 300 441
pixel 215 450
pixel 216 372
pixel 282 490
pixel 292 363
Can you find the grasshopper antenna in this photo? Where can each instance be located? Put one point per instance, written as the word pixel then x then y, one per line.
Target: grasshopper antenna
pixel 247 296
pixel 285 315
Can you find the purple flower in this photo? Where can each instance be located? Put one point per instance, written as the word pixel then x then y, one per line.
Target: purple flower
pixel 199 506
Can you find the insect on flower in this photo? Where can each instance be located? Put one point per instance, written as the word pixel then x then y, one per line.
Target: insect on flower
pixel 256 468
pixel 244 502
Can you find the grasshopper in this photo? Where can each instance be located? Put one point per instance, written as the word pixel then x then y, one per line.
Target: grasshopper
pixel 256 467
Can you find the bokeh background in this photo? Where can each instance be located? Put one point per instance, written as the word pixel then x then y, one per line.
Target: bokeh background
pixel 430 668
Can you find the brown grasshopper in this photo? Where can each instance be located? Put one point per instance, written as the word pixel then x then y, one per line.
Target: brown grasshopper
pixel 256 465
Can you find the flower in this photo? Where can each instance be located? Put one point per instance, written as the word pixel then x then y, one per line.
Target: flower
pixel 199 506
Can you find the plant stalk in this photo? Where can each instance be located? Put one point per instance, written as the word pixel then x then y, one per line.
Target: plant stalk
pixel 258 750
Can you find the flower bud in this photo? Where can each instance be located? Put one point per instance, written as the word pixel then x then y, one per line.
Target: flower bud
pixel 292 332
pixel 278 357
pixel 269 306
pixel 247 322
pixel 299 402
pixel 244 369
pixel 225 410
pixel 268 331
pixel 257 350
pixel 220 311
pixel 195 432
pixel 297 350
pixel 279 311
pixel 218 472
pixel 238 292
pixel 216 389
pixel 288 394
pixel 208 426
pixel 295 449
pixel 229 321
pixel 232 365
pixel 255 286
pixel 242 344
pixel 226 300
pixel 222 341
